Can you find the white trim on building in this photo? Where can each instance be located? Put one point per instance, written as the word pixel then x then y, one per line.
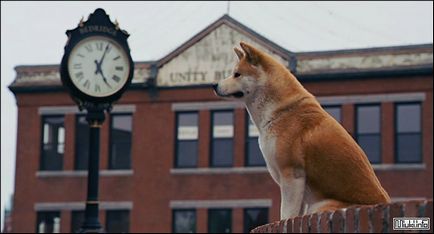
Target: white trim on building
pixel 240 203
pixel 324 100
pixel 60 110
pixel 58 206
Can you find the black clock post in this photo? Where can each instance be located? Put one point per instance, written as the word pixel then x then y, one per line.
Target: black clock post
pixel 95 117
pixel 96 69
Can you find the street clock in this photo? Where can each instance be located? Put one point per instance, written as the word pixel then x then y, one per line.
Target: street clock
pixel 97 66
pixel 96 69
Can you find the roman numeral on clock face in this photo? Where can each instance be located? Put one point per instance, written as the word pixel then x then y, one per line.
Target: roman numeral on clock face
pixel 86 84
pixel 77 66
pixel 79 76
pixel 99 46
pixel 119 68
pixel 97 88
pixel 88 48
pixel 116 78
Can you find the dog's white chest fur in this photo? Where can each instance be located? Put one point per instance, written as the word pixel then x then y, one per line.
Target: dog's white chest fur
pixel 291 189
pixel 267 144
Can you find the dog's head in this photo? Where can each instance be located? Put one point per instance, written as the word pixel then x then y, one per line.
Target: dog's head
pixel 248 75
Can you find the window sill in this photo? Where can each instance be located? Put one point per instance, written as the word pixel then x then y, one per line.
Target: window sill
pixel 249 170
pixel 103 205
pixel 212 171
pixel 44 174
pixel 399 167
pixel 220 203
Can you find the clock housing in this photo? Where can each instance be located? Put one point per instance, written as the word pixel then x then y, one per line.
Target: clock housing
pixel 97 66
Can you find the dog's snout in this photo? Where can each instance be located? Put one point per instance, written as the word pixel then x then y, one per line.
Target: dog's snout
pixel 214 86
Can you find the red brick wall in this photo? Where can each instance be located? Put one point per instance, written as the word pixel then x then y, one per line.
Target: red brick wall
pixel 152 186
pixel 356 219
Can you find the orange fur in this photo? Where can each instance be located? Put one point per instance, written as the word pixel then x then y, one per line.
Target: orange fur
pixel 309 142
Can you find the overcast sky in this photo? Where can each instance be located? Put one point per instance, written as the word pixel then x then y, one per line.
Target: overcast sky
pixel 34 33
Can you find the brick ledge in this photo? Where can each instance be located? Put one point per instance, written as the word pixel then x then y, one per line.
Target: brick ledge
pixel 368 218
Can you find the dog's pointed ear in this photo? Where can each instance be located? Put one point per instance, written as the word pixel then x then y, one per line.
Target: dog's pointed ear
pixel 252 54
pixel 239 53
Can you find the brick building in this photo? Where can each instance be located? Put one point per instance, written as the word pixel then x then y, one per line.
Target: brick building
pixel 174 157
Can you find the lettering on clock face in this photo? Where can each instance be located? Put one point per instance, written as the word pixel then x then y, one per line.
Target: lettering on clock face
pixel 98 66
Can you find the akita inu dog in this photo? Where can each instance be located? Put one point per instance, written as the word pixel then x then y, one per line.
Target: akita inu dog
pixel 313 159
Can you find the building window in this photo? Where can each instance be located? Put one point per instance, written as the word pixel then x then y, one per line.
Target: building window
pixel 254 154
pixel 254 217
pixel 187 135
pixel 77 220
pixel 120 141
pixel 117 221
pixel 408 137
pixel 219 220
pixel 222 139
pixel 184 221
pixel 81 143
pixel 369 131
pixel 53 143
pixel 48 222
pixel 334 111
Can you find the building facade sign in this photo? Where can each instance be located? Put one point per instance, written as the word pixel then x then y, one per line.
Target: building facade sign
pixel 208 60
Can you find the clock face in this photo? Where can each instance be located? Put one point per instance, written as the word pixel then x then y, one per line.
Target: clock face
pixel 98 66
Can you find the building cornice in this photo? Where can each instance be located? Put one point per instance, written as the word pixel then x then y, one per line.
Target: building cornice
pixel 308 66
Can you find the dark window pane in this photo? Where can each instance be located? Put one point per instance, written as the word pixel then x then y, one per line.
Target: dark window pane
pixel 222 142
pixel 254 217
pixel 223 124
pixel 120 150
pixel 48 222
pixel 187 119
pixel 369 132
pixel 223 118
pixel 121 155
pixel 334 111
pixel 408 133
pixel 222 150
pixel 117 221
pixel 77 220
pixel 409 148
pixel 254 154
pixel 53 143
pixel 408 118
pixel 219 221
pixel 81 143
pixel 187 154
pixel 368 119
pixel 122 124
pixel 187 140
pixel 371 144
pixel 187 124
pixel 184 221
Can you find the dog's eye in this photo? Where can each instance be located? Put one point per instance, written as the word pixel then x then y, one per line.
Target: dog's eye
pixel 236 74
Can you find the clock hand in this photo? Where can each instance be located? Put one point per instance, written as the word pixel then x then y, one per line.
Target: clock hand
pixel 105 80
pixel 103 55
pixel 98 67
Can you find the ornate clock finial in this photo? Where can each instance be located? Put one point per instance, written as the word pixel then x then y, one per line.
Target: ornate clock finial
pixel 116 24
pixel 81 22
